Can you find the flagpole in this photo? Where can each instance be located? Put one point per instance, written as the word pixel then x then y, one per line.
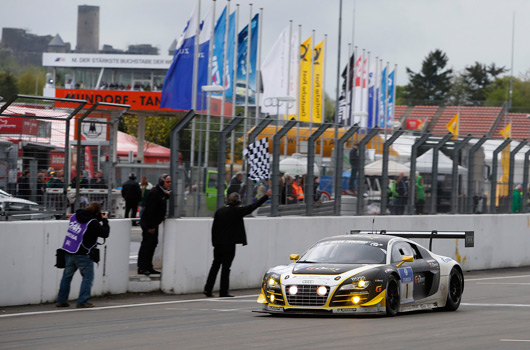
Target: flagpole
pixel 311 92
pixel 394 99
pixel 234 81
pixel 209 94
pixel 323 113
pixel 348 89
pixel 258 66
pixel 367 81
pixel 286 138
pixel 247 79
pixel 299 66
pixel 337 88
pixel 361 86
pixel 375 99
pixel 223 75
pixel 194 86
pixel 196 58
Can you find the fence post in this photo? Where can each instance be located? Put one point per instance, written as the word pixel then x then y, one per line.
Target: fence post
pixel 384 173
pixel 339 152
pixel 511 176
pixel 471 172
pixel 494 161
pixel 434 184
pixel 276 190
pixel 412 177
pixel 309 179
pixel 360 181
pixel 454 180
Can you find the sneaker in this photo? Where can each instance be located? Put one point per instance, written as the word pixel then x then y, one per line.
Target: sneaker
pixel 85 306
pixel 154 272
pixel 62 305
pixel 208 294
pixel 144 272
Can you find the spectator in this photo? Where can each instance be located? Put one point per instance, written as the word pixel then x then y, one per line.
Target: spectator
pixel 420 195
pixel 399 191
pixel 354 164
pixel 89 224
pixel 152 216
pixel 298 189
pixel 290 195
pixel 145 186
pixel 316 189
pixel 24 189
pixel 98 181
pixel 517 199
pixel 132 193
pixel 235 183
pixel 228 229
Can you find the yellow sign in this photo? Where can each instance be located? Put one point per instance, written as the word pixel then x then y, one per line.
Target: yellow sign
pixel 318 79
pixel 452 126
pixel 305 80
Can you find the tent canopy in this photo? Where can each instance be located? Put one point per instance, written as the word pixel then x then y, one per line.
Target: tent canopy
pixel 296 166
pixel 394 168
pixel 445 164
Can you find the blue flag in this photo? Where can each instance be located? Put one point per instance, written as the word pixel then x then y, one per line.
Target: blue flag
pixel 242 69
pixel 382 99
pixel 178 84
pixel 390 107
pixel 371 101
pixel 222 75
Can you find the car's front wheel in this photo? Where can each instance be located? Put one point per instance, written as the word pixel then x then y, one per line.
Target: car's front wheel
pixel 392 296
pixel 455 290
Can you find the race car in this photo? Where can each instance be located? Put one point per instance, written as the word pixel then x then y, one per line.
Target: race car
pixel 366 273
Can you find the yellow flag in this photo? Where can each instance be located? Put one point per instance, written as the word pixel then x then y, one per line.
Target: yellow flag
pixel 305 80
pixel 318 77
pixel 452 126
pixel 507 131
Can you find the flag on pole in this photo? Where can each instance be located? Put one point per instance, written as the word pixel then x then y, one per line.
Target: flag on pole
pixel 507 131
pixel 274 72
pixel 177 88
pixel 258 157
pixel 452 126
pixel 242 68
pixel 371 100
pixel 382 99
pixel 343 112
pixel 218 50
pixel 318 77
pixel 390 106
pixel 305 80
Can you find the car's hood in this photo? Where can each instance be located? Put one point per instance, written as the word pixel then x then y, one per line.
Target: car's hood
pixel 323 269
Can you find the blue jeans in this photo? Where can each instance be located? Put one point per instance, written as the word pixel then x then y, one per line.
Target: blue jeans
pixel 86 267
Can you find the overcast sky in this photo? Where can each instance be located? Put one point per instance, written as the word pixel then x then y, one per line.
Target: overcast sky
pixel 401 32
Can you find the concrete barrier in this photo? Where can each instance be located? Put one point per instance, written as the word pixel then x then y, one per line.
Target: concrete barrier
pixel 27 257
pixel 27 252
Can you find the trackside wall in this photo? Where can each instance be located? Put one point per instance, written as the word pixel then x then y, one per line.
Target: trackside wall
pixel 27 250
pixel 27 257
pixel 500 241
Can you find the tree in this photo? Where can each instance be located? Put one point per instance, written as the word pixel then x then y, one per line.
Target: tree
pixel 32 81
pixel 433 82
pixel 498 93
pixel 478 78
pixel 8 85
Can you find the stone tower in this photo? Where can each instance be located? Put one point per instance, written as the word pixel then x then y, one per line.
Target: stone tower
pixel 87 29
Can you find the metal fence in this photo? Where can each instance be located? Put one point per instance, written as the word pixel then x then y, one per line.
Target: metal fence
pixel 468 174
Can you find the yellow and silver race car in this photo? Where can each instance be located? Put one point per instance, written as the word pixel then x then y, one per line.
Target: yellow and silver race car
pixel 366 273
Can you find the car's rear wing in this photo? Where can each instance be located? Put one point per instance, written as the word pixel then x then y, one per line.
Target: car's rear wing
pixel 468 236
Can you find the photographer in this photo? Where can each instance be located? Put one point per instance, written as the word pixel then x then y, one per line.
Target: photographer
pixel 84 229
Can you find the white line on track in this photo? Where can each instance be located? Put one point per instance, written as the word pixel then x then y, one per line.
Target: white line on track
pixel 503 283
pixel 496 305
pixel 516 340
pixel 128 306
pixel 494 278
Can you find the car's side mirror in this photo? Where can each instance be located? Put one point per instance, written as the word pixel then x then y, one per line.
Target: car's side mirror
pixel 406 259
pixel 294 257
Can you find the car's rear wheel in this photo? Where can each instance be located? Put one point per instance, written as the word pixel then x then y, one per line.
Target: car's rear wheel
pixel 455 290
pixel 392 296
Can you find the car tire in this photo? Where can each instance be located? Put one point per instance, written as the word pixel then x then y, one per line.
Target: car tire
pixel 392 296
pixel 454 290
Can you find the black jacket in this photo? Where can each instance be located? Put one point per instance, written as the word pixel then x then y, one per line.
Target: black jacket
pixel 155 208
pixel 131 191
pixel 354 158
pixel 97 228
pixel 228 225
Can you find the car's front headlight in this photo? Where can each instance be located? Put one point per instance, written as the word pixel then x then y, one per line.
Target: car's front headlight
pixel 272 281
pixel 355 284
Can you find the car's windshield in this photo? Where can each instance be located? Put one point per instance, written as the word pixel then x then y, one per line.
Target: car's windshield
pixel 345 252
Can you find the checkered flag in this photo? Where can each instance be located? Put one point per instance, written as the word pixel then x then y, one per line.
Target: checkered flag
pixel 258 157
